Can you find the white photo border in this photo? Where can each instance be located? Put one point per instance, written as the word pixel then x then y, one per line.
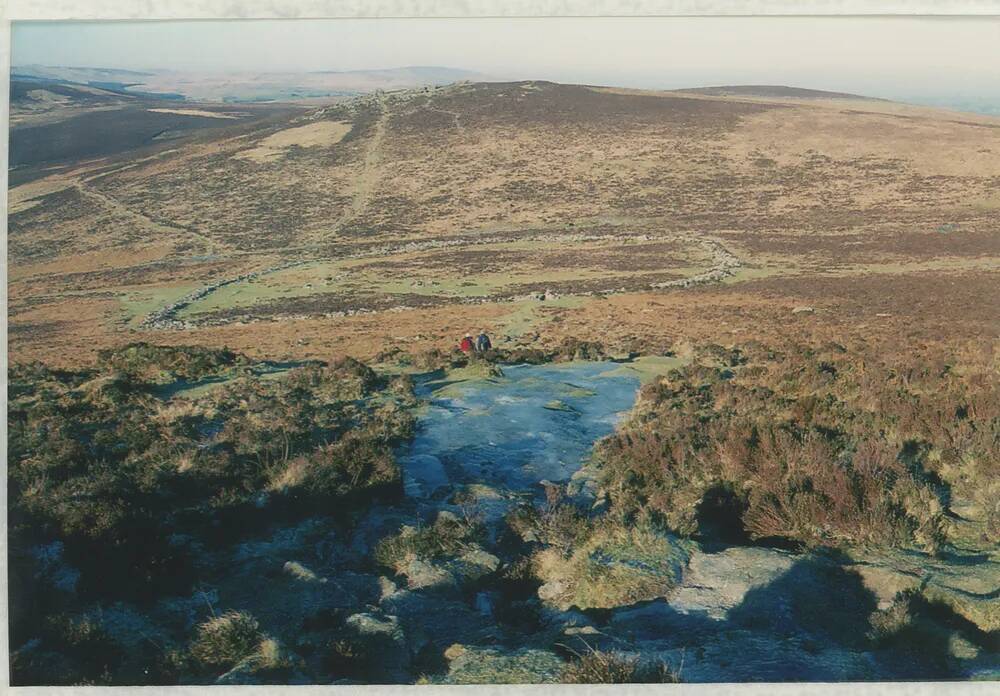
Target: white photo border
pixel 136 10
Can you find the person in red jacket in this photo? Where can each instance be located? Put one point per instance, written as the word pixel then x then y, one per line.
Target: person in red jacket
pixel 467 345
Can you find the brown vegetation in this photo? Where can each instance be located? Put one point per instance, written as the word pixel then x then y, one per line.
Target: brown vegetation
pixel 813 446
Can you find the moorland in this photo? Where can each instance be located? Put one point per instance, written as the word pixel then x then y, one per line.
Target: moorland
pixel 240 340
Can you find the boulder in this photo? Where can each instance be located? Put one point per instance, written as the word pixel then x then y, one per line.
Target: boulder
pixel 469 664
pixel 474 565
pixel 382 635
pixel 714 583
pixel 439 619
pixel 424 575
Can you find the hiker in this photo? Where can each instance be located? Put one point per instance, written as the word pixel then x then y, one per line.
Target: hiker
pixel 483 342
pixel 467 346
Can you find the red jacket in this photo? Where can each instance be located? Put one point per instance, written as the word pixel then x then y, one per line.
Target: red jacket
pixel 466 345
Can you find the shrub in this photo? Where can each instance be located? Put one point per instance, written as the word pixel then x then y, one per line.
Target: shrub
pixel 225 640
pixel 448 537
pixel 616 565
pixel 559 525
pixel 811 446
pixel 600 667
pixel 163 364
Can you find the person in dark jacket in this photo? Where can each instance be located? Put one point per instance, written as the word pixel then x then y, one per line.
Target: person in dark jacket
pixel 467 346
pixel 483 342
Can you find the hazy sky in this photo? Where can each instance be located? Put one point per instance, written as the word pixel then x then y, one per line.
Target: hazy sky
pixel 876 56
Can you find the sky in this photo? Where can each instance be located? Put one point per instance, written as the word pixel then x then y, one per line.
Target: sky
pixel 929 58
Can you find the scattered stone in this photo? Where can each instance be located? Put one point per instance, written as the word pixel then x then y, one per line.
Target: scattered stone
pixel 552 591
pixel 423 575
pixel 557 405
pixel 301 572
pixel 474 565
pixel 724 265
pixel 803 310
pixel 386 587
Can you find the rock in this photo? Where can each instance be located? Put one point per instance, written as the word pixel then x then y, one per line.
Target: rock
pixel 551 591
pixel 439 619
pixel 423 475
pixel 714 583
pixel 469 568
pixel 560 621
pixel 557 405
pixel 383 636
pixel 300 572
pixel 366 624
pixel 485 602
pixel 803 310
pixel 423 575
pixel 470 664
pixel 474 565
pixel 885 583
pixel 965 583
pixel 386 587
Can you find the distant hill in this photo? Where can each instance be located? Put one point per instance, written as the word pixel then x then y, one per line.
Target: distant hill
pixel 246 86
pixel 429 74
pixel 26 91
pixel 81 75
pixel 773 91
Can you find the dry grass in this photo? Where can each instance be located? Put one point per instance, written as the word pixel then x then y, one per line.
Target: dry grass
pixel 319 134
pixel 225 640
pixel 858 196
pixel 616 565
pixel 602 667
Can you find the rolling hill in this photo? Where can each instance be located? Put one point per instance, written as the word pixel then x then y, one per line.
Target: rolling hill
pixel 247 86
pixel 440 208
